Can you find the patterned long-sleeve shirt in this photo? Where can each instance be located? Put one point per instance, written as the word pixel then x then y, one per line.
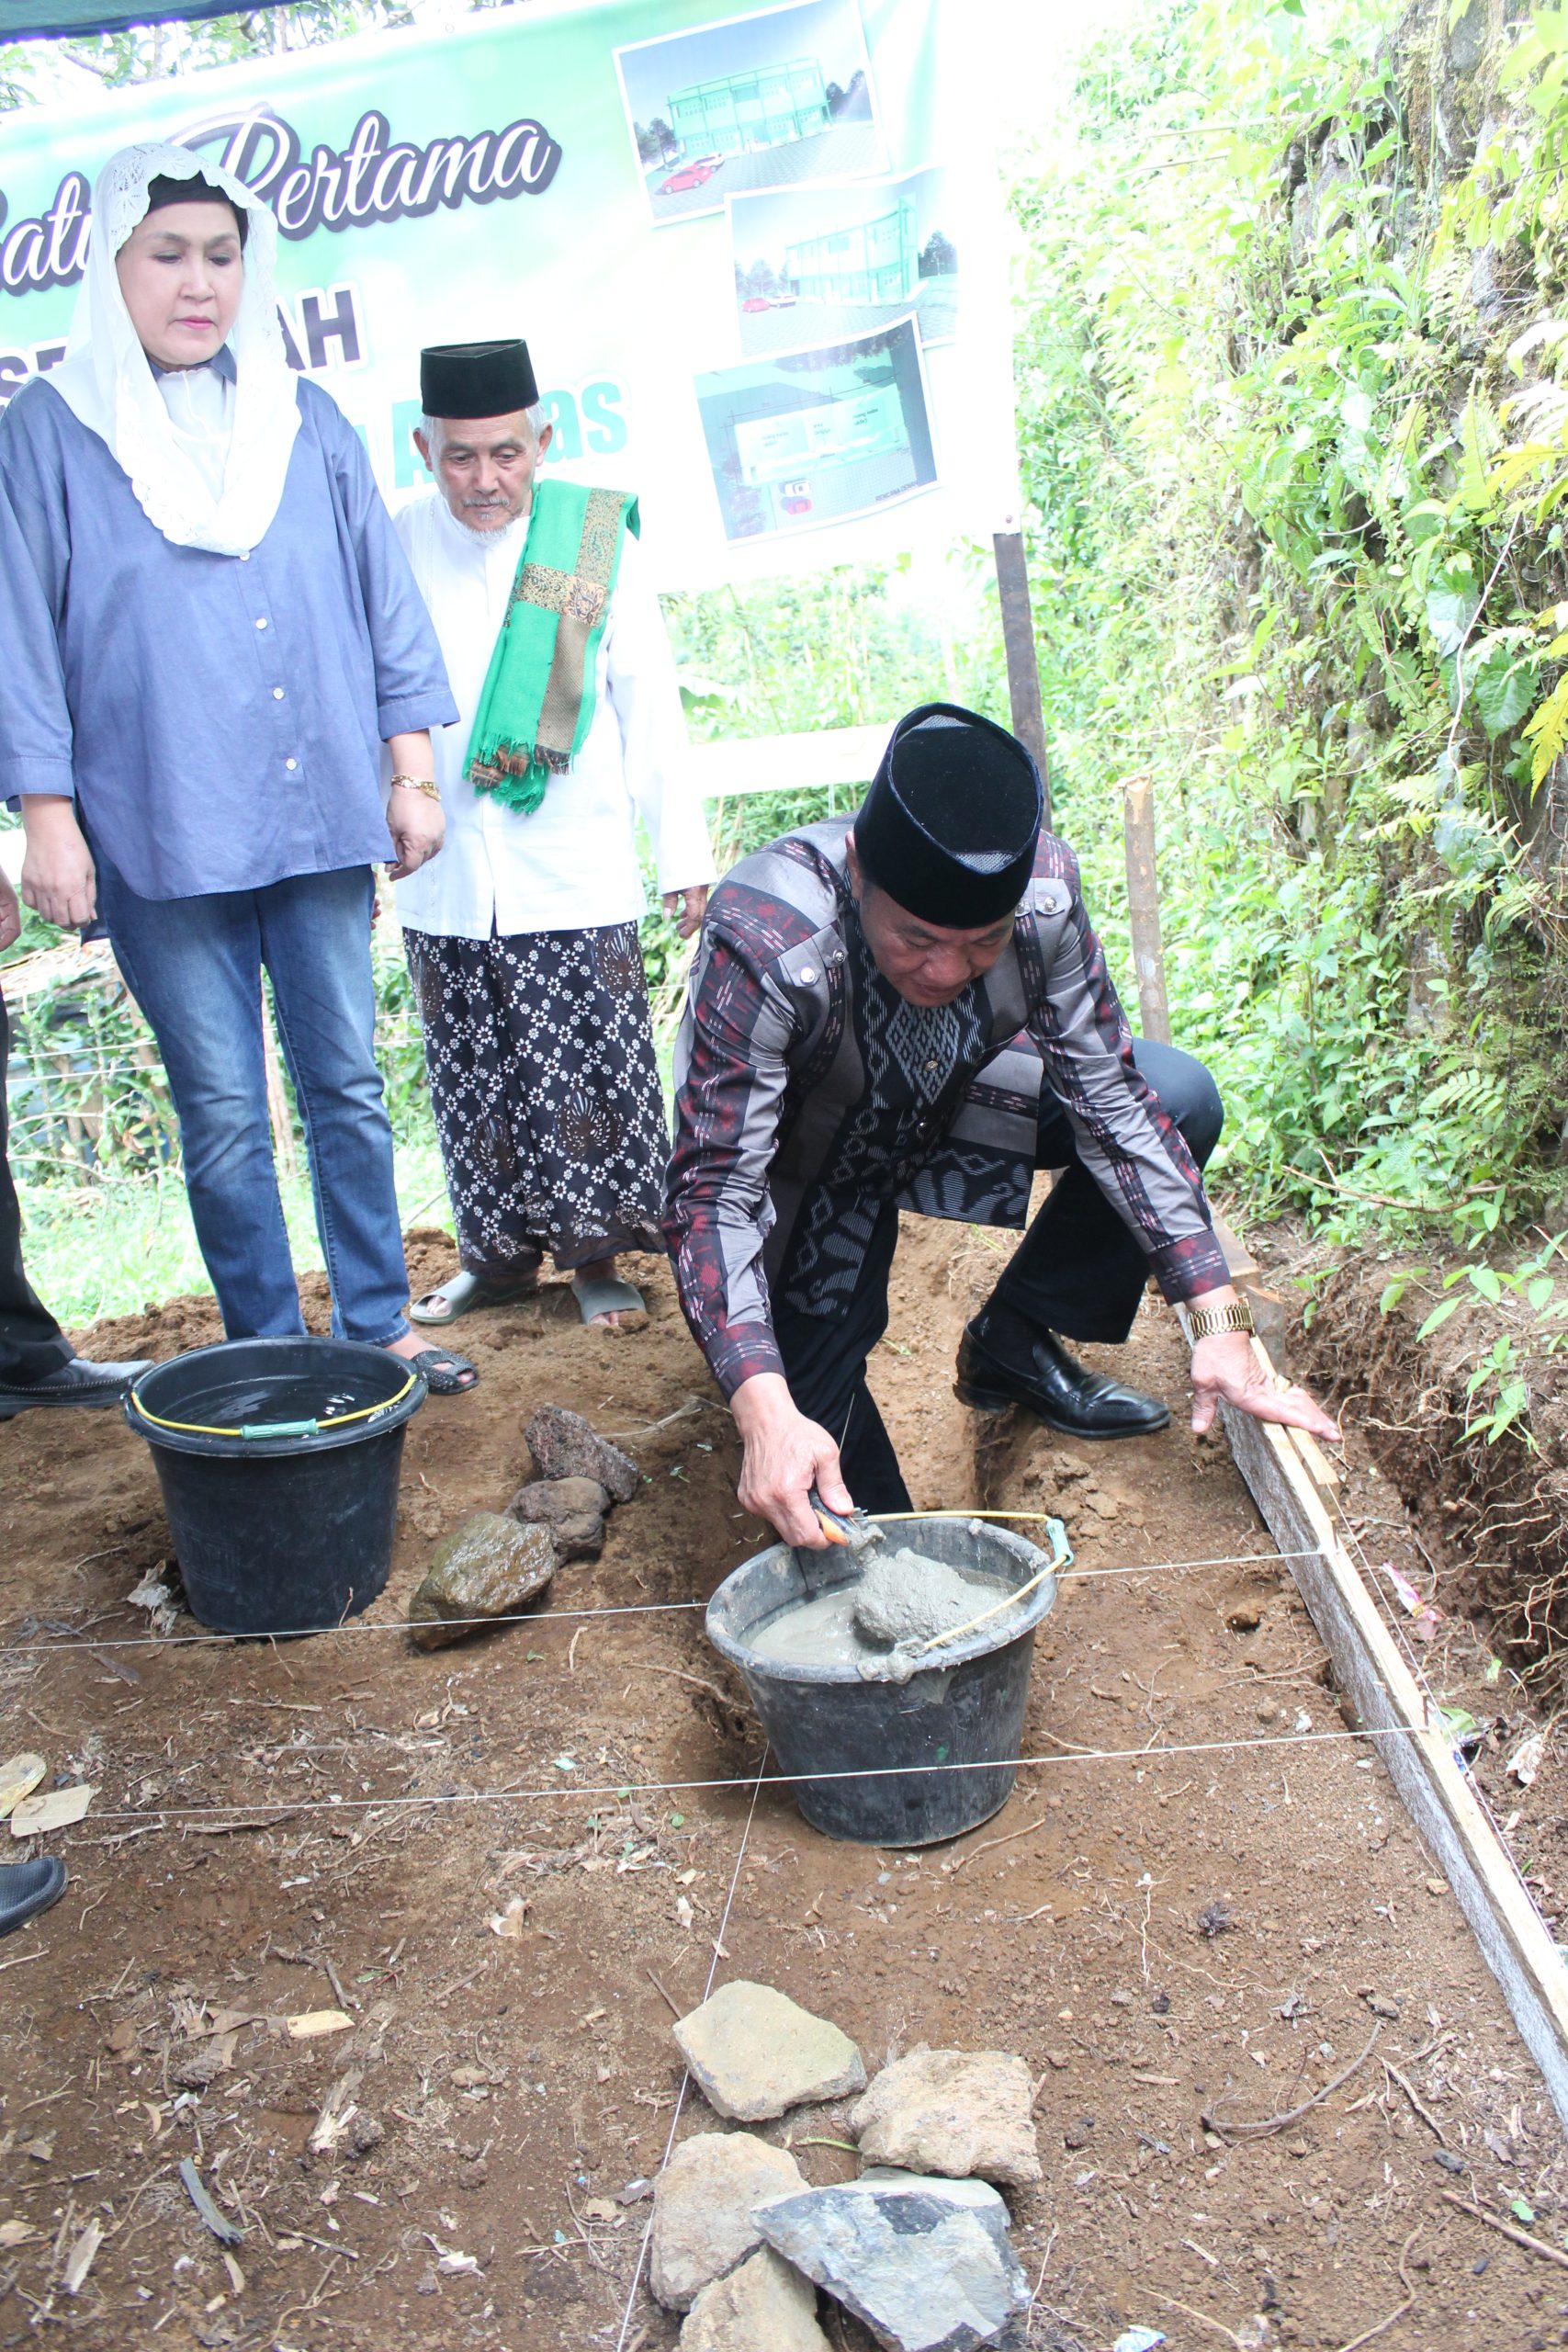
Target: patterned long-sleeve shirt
pixel 808 1093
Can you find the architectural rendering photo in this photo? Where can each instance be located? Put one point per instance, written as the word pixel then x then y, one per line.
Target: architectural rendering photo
pixel 808 437
pixel 752 102
pixel 845 259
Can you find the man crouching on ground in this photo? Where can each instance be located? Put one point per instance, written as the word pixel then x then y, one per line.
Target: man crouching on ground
pixel 911 1011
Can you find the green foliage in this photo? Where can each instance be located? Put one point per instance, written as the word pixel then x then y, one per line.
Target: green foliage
pixel 43 72
pixel 1292 526
pixel 1498 1368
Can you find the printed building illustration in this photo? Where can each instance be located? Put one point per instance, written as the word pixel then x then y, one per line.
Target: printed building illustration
pixel 877 261
pixel 743 112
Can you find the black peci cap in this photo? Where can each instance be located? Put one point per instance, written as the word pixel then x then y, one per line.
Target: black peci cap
pixel 949 826
pixel 476 378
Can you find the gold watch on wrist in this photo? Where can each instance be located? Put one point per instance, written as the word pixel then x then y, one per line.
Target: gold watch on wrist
pixel 425 784
pixel 1207 1322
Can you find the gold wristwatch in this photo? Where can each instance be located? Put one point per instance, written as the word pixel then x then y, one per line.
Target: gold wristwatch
pixel 1207 1322
pixel 425 784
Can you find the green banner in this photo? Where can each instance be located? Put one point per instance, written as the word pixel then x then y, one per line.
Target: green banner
pixel 758 259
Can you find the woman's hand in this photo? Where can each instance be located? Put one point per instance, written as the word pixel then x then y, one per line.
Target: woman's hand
pixel 57 879
pixel 692 904
pixel 418 827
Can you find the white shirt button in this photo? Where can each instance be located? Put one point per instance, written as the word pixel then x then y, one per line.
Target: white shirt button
pixel 809 973
pixel 244 555
pixel 260 624
pixel 290 764
pixel 278 694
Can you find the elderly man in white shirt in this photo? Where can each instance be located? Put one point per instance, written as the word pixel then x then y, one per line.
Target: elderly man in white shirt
pixel 522 937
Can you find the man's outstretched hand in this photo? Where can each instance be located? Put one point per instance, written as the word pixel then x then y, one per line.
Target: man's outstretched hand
pixel 785 1456
pixel 1227 1371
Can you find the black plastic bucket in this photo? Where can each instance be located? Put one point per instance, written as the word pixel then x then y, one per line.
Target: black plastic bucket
pixel 279 1475
pixel 966 1708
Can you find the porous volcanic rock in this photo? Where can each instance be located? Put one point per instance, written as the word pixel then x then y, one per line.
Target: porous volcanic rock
pixel 952 2111
pixel 566 1446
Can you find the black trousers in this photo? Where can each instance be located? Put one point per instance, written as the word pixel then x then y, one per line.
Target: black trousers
pixel 31 1342
pixel 1078 1271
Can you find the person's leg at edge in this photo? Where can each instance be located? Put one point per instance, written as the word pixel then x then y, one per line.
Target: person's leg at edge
pixel 1079 1272
pixel 825 1361
pixel 194 967
pixel 315 937
pixel 32 1344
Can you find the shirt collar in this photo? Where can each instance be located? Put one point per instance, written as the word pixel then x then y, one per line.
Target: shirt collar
pixel 221 364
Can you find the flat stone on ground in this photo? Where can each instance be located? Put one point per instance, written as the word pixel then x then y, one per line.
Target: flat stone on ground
pixel 701 2210
pixel 754 2053
pixel 952 2111
pixel 487 1568
pixel 566 1446
pixel 925 2264
pixel 762 2307
pixel 554 1499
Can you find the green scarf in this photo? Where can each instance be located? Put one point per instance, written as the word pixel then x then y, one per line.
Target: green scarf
pixel 539 691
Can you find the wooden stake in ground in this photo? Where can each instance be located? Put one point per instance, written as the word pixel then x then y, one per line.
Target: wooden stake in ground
pixel 1379 1696
pixel 1017 643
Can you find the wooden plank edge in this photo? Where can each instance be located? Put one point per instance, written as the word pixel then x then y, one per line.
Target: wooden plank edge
pixel 1386 1703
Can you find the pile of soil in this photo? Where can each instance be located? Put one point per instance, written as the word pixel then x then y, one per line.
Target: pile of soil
pixel 510 1862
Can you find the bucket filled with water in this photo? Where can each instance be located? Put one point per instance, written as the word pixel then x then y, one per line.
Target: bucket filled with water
pixel 891 1678
pixel 279 1462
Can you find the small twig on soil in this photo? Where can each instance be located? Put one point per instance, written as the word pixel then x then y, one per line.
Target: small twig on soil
pixel 1383 2326
pixel 1381 2329
pixel 820 2140
pixel 1202 2318
pixel 1504 2229
pixel 1428 2117
pixel 244 1821
pixel 675 1675
pixel 985 1847
pixel 681 1413
pixel 1039 2283
pixel 1282 2122
pixel 675 2006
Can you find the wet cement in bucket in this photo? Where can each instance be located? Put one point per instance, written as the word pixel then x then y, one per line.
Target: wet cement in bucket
pixel 876 1624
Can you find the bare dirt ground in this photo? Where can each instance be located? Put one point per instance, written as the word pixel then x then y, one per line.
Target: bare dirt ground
pixel 1189 1761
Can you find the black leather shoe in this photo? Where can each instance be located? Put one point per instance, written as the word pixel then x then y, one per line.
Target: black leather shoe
pixel 79 1382
pixel 1040 1375
pixel 28 1888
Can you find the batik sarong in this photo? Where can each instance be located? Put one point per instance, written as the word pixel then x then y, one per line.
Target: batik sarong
pixel 545 1091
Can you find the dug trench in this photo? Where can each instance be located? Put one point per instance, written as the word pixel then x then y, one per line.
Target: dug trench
pixel 1199 1908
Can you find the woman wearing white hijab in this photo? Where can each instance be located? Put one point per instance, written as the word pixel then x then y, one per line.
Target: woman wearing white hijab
pixel 212 630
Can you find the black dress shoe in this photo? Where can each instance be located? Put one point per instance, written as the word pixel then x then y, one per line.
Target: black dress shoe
pixel 79 1382
pixel 1020 1366
pixel 28 1888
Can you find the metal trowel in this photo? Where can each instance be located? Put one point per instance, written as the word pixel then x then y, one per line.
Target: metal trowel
pixel 850 1531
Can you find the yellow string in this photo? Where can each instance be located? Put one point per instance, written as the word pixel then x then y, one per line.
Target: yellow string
pixel 336 1421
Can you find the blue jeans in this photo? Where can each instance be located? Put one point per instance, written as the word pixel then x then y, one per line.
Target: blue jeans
pixel 193 965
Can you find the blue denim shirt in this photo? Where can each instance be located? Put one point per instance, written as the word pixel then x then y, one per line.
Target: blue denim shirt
pixel 217 717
